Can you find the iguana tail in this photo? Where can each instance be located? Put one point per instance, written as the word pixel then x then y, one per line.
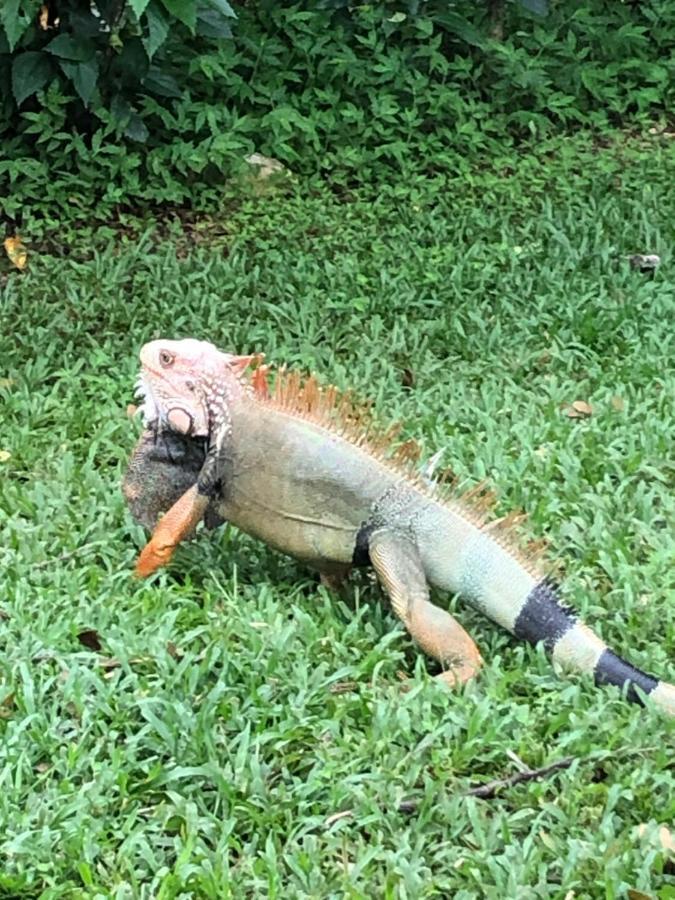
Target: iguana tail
pixel 490 574
pixel 543 617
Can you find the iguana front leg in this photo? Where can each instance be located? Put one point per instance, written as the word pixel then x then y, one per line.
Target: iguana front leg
pixel 172 528
pixel 398 566
pixel 187 512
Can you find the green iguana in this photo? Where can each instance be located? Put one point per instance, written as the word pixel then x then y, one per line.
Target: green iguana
pixel 302 469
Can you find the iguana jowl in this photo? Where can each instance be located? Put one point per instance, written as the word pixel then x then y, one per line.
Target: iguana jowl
pixel 300 470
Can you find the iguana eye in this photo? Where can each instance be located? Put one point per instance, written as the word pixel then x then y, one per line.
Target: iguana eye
pixel 166 358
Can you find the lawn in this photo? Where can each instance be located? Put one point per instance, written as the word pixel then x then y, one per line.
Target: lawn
pixel 197 735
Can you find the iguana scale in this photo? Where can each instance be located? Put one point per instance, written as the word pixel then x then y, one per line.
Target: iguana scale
pixel 303 469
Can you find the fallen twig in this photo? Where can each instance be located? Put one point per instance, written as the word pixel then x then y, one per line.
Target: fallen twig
pixel 490 788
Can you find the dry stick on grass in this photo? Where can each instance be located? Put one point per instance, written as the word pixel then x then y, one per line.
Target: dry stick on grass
pixel 489 789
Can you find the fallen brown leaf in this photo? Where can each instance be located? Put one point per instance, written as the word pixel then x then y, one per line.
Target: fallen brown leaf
pixel 337 816
pixel 579 409
pixel 16 251
pixel 109 662
pixel 343 687
pixel 408 378
pixel 131 410
pixel 90 638
pixel 638 895
pixel 174 650
pixel 665 836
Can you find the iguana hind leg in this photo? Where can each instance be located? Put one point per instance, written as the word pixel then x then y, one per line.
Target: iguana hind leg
pixel 171 529
pixel 398 566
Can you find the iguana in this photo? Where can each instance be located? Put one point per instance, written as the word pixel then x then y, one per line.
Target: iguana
pixel 304 469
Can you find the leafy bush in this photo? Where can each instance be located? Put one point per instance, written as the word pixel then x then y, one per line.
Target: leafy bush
pixel 352 90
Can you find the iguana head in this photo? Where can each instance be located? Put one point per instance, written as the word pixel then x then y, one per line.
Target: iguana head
pixel 186 384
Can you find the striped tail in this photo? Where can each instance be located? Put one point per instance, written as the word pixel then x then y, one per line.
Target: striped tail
pixel 494 577
pixel 544 618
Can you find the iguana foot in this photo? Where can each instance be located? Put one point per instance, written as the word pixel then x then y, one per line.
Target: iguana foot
pixel 333 581
pixel 460 674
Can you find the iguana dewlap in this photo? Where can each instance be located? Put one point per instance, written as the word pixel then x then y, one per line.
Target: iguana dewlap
pixel 300 470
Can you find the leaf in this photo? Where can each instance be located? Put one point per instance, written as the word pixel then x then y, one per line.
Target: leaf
pixel 184 10
pixel 67 47
pixel 538 7
pixel 617 403
pixel 30 71
pixel 158 28
pixel 13 22
pixel 138 6
pixel 461 27
pixel 211 24
pixel 84 76
pixel 16 251
pixel 137 130
pixel 666 839
pixel 5 455
pixel 158 82
pixel 579 410
pixel 90 638
pixel 223 7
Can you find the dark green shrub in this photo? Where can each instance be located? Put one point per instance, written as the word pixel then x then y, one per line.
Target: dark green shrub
pixel 101 57
pixel 332 87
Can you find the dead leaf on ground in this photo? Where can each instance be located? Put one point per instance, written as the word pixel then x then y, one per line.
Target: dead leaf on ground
pixel 665 836
pixel 43 767
pixel 617 403
pixel 90 638
pixel 579 409
pixel 132 409
pixel 109 662
pixel 330 820
pixel 43 18
pixel 638 895
pixel 343 687
pixel 266 165
pixel 16 251
pixel 174 651
pixel 644 262
pixel 408 378
pixel 5 455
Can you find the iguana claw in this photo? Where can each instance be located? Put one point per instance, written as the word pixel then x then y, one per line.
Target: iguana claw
pixel 152 557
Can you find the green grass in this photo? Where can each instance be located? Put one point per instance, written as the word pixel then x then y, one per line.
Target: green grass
pixel 207 760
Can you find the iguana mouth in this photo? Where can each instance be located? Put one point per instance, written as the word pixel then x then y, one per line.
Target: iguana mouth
pixel 149 408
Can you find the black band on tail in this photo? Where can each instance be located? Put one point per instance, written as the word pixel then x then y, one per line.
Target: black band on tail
pixel 544 617
pixel 611 669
